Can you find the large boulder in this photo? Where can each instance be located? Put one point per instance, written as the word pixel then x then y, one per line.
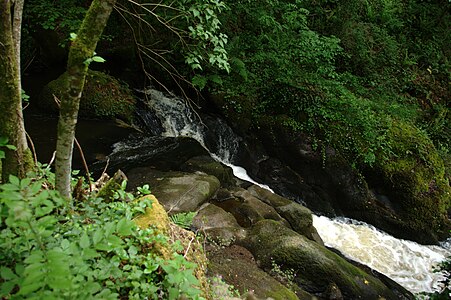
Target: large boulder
pixel 246 208
pixel 219 225
pixel 413 181
pixel 316 267
pixel 210 166
pixel 103 97
pixel 144 153
pixel 299 217
pixel 177 191
pixel 236 266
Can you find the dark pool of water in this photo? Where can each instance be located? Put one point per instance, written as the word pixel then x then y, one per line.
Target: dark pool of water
pixel 96 137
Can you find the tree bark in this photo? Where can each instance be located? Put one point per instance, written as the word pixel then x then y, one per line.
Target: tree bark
pixel 17 162
pixel 81 49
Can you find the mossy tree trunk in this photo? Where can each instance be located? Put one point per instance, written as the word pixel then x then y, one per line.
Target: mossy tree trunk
pixel 81 50
pixel 17 162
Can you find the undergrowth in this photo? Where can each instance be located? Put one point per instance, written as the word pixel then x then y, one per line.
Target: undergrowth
pixel 53 249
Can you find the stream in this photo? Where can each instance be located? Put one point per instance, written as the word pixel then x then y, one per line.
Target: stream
pixel 406 262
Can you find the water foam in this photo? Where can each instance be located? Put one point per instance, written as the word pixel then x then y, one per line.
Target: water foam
pixel 406 262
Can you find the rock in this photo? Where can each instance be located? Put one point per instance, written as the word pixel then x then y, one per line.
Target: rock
pixel 414 181
pixel 326 182
pixel 103 97
pixel 210 166
pixel 315 266
pixel 248 209
pixel 164 153
pixel 156 217
pixel 299 217
pixel 236 266
pixel 177 191
pixel 113 184
pixel 218 225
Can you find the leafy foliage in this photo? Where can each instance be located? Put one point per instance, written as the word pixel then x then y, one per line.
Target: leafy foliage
pixel 62 15
pixel 53 250
pixel 184 220
pixel 4 143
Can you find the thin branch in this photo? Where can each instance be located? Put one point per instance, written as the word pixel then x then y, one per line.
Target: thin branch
pixel 33 149
pixel 84 163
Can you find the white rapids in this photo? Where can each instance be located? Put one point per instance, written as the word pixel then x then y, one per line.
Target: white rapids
pixel 406 262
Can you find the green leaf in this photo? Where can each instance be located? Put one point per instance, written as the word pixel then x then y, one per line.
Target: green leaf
pixel 14 180
pixel 11 147
pixel 98 236
pixel 124 227
pixel 35 257
pixel 114 241
pixel 7 273
pixel 3 140
pixel 6 288
pixel 98 59
pixel 29 288
pixel 84 241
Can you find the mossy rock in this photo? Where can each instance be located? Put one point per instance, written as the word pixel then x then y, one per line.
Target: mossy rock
pixel 209 166
pixel 236 266
pixel 315 266
pixel 178 191
pixel 155 217
pixel 103 97
pixel 414 178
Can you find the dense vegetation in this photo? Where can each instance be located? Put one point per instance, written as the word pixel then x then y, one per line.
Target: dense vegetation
pixel 368 78
pixel 93 248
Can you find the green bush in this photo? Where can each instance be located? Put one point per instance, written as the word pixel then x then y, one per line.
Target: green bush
pixel 50 249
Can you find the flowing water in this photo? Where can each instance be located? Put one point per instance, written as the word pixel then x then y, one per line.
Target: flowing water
pixel 406 262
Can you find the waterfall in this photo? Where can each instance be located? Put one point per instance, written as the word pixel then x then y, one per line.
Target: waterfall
pixel 406 262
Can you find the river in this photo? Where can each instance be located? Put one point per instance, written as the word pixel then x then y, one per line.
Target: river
pixel 406 262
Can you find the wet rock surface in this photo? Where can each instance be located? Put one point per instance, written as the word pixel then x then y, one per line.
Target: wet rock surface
pixel 250 232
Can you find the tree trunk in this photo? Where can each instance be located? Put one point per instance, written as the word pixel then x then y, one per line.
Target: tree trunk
pixel 17 162
pixel 81 49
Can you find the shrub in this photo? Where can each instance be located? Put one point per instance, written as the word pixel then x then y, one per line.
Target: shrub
pixel 51 249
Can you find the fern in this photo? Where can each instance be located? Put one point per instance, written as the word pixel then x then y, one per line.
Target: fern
pixel 184 220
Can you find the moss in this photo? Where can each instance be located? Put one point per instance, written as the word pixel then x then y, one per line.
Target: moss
pixel 103 96
pixel 157 218
pixel 415 174
pixel 154 216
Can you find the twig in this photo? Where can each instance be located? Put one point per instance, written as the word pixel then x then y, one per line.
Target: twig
pixel 189 245
pixel 106 166
pixel 84 164
pixel 33 149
